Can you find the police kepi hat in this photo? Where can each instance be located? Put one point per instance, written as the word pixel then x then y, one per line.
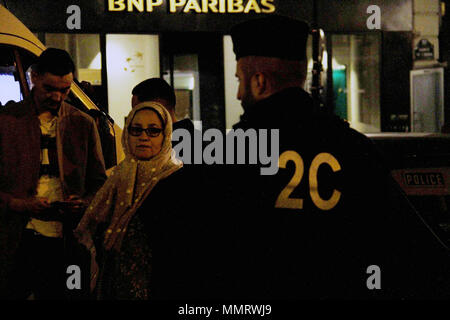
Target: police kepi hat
pixel 272 36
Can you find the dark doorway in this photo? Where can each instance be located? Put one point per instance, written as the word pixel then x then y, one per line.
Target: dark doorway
pixel 193 64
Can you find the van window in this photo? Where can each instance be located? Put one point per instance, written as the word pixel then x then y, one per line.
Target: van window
pixel 14 63
pixel 9 81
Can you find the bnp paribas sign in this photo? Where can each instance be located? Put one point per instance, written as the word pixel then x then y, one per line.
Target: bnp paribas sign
pixel 195 6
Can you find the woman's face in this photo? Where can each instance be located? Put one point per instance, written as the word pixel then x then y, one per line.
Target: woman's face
pixel 142 145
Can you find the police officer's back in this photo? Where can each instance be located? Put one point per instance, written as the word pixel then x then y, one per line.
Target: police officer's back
pixel 326 221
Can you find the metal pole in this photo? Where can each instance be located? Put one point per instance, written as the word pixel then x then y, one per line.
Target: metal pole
pixel 330 103
pixel 317 65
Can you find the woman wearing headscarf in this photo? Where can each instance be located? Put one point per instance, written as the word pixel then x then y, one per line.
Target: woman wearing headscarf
pixel 115 225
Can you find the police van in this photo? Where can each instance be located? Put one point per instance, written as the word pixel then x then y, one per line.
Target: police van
pixel 420 164
pixel 19 49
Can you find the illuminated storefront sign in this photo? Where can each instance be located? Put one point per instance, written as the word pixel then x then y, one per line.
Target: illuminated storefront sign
pixel 159 16
pixel 196 6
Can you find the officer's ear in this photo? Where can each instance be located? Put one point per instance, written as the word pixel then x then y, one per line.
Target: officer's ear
pixel 259 84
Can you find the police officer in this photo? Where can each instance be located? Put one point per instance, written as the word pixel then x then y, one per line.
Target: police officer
pixel 327 224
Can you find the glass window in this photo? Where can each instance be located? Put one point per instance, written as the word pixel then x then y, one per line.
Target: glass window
pixel 186 83
pixel 85 52
pixel 356 80
pixel 10 89
pixel 130 59
pixel 233 109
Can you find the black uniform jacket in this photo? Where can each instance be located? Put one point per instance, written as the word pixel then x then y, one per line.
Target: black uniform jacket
pixel 330 223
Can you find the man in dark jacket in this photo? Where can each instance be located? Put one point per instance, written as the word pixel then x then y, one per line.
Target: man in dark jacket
pixel 51 165
pixel 329 223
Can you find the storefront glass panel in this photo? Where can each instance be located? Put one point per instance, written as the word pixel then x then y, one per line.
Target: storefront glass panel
pixel 356 80
pixel 186 83
pixel 85 52
pixel 233 108
pixel 130 59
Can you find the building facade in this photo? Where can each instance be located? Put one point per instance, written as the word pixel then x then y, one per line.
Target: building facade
pixel 373 54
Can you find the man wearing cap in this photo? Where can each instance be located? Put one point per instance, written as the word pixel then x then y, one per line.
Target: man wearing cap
pixel 324 225
pixel 51 165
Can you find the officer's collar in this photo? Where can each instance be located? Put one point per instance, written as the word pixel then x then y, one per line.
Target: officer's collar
pixel 270 111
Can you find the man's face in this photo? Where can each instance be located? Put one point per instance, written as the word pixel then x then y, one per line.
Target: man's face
pixel 244 93
pixel 50 90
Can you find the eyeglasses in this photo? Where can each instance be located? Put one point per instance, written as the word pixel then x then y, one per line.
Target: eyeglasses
pixel 151 131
